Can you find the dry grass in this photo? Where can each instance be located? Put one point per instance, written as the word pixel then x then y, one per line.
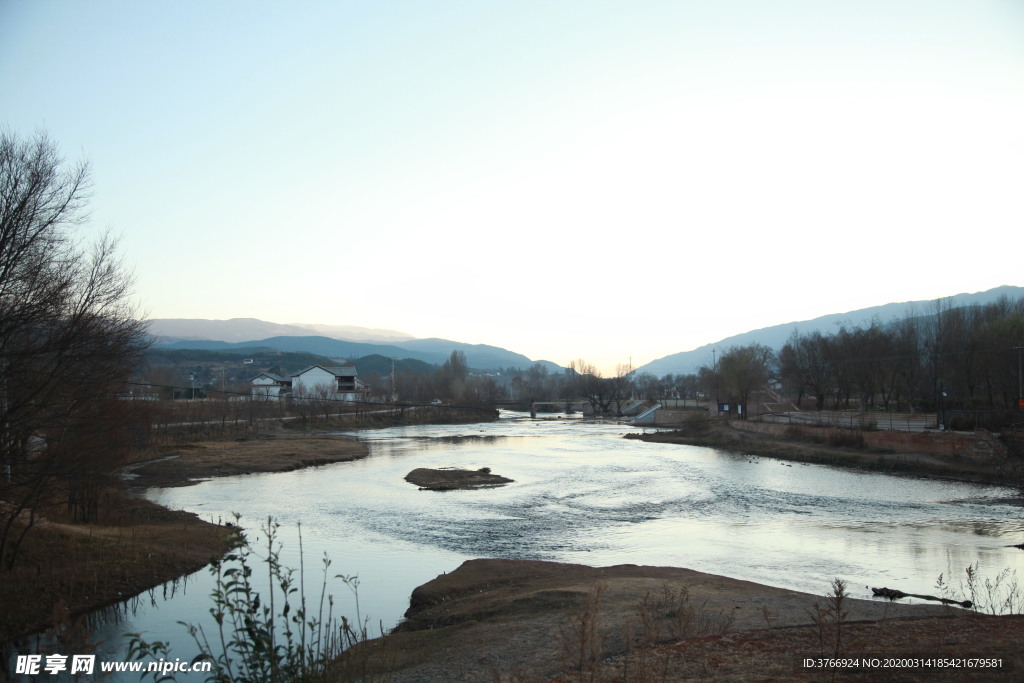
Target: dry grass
pixel 596 643
pixel 581 637
pixel 775 654
pixel 70 569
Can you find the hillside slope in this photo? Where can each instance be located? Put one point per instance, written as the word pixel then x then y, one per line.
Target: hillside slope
pixel 775 337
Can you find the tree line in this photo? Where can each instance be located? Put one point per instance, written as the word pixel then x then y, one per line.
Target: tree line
pixel 947 359
pixel 965 358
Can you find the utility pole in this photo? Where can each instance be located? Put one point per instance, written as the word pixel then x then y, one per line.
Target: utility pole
pixel 714 376
pixel 632 386
pixel 394 390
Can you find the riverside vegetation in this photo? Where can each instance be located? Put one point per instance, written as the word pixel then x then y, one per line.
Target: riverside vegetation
pixel 283 634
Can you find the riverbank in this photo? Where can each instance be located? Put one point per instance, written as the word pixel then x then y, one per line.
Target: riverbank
pixel 840 448
pixel 519 620
pixel 190 463
pixel 66 570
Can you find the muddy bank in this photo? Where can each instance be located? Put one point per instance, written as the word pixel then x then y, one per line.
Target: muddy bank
pixel 188 464
pixel 451 479
pixel 849 452
pixel 529 620
pixel 65 570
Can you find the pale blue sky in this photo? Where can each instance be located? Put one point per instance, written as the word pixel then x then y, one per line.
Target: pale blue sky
pixel 565 179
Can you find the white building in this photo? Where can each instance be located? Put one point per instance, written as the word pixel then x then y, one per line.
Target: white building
pixel 337 383
pixel 267 386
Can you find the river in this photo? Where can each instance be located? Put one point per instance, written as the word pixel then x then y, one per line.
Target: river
pixel 584 494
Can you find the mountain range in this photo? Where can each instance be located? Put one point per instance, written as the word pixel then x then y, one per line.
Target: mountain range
pixel 297 339
pixel 245 335
pixel 775 337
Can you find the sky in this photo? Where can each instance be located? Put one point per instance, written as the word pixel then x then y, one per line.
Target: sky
pixel 608 180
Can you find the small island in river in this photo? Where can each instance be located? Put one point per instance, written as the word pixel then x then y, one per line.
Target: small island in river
pixel 450 478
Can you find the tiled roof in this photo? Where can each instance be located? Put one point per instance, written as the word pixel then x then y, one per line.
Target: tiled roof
pixel 269 375
pixel 337 371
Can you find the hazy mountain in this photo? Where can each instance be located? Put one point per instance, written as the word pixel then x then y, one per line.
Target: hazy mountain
pixel 776 336
pixel 233 330
pixel 354 333
pixel 244 329
pixel 433 351
pixel 477 355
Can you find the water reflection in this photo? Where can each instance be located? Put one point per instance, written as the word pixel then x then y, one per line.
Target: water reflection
pixel 100 632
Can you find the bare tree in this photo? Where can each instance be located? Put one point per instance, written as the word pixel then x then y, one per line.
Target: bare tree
pixel 650 387
pixel 804 366
pixel 620 386
pixel 588 382
pixel 535 383
pixel 69 339
pixel 745 369
pixel 452 377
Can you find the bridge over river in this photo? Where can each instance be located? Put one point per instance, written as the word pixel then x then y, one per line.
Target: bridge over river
pixel 558 405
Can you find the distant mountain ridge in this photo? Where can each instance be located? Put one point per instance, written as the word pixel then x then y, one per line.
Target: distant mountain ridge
pixel 776 336
pixel 245 329
pixel 433 351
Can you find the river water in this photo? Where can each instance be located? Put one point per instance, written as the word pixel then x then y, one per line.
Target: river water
pixel 584 494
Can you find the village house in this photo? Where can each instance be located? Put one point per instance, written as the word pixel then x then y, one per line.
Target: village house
pixel 337 383
pixel 267 386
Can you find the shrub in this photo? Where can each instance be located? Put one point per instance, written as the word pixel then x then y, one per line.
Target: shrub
pixel 277 637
